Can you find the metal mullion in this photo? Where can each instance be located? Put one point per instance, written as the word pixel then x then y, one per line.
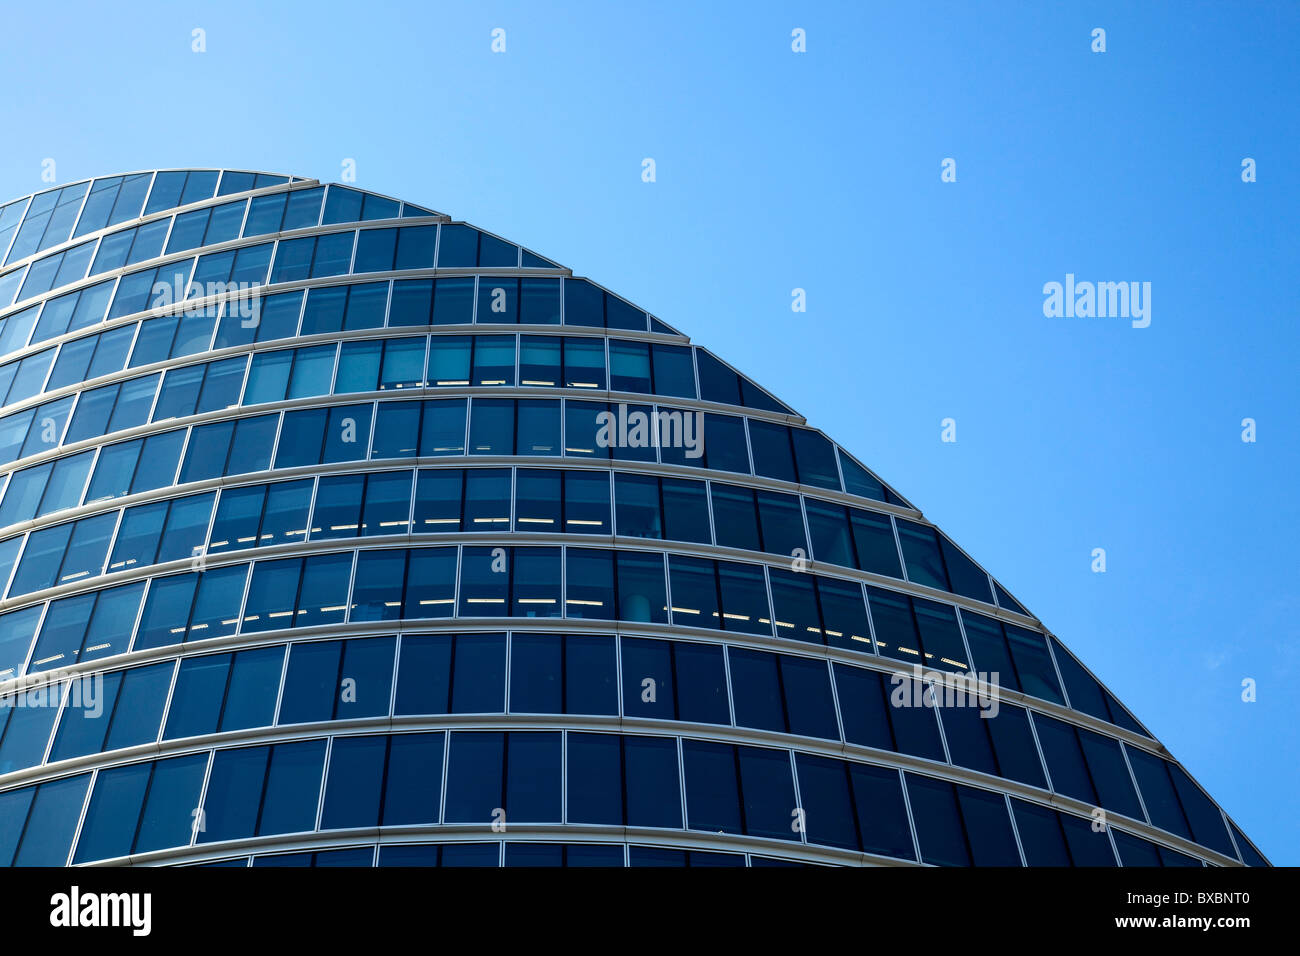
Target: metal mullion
pixel 564 768
pixel 325 773
pixel 27 205
pixel 726 668
pixel 1015 830
pixel 352 588
pixel 442 786
pixel 57 686
pixel 284 671
pixel 938 719
pixel 90 186
pixel 798 802
pixel 199 820
pixel 871 624
pixel 911 819
pixel 148 194
pixel 36 633
pixel 81 817
pixel 961 628
pixel 49 373
pixel 138 616
pixel 681 773
pixel 1138 790
pixel 835 699
pixel 112 539
pixel 898 544
pixel 1065 693
pixel 1038 745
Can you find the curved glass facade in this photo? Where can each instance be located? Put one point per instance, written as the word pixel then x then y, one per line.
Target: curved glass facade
pixel 335 532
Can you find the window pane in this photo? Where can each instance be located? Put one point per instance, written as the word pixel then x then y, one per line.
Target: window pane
pixel 768 789
pixel 712 790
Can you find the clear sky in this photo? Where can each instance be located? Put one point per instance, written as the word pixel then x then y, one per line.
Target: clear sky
pixel 821 171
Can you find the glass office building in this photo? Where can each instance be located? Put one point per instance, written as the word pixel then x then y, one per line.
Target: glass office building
pixel 337 532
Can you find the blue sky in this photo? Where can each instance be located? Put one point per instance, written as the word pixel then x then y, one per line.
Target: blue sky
pixel 821 170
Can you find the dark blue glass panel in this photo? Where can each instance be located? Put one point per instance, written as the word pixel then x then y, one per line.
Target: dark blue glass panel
pixel 533 777
pixel 311 682
pixel 354 785
pixel 695 595
pixel 965 576
pixel 377 591
pixel 251 695
pixel 648 689
pixel 404 854
pixel 1013 744
pixel 479 674
pixel 114 811
pixel 139 709
pixel 424 676
pixel 595 779
pixel 537 674
pixel 712 788
pixel 768 790
pixel 1040 834
pixel 52 822
pixel 814 457
pixel 200 690
pixel 1088 847
pixel 701 683
pixel 170 808
pixel 590 582
pixel 367 678
pixel 757 684
pixel 938 821
pixel 1109 773
pixel 1033 663
pixel 724 444
pixel 475 785
pixel 652 782
pixel 1064 758
pixel 743 589
pixel 988 827
pixel 589 668
pixel 234 794
pixel 641 590
pixel 827 801
pixel 413 787
pixel 293 782
pixel 781 521
pixel 470 854
pixel 29 729
pixel 810 707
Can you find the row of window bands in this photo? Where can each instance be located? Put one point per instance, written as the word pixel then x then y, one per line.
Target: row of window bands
pixel 337 434
pixel 509 854
pixel 461 500
pixel 478 777
pixel 112 200
pixel 363 365
pixel 422 583
pixel 211 225
pixel 563 674
pixel 419 302
pixel 437 427
pixel 356 366
pixel 349 308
